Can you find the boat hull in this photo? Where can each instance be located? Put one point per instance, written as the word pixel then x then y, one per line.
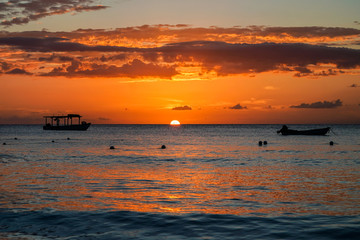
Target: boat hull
pixel 320 131
pixel 80 127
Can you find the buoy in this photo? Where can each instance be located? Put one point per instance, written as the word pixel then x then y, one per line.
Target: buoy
pixel 4 143
pixel 15 138
pixel 260 143
pixel 265 142
pixel 331 143
pixel 52 141
pixel 68 138
pixel 163 147
pixel 112 147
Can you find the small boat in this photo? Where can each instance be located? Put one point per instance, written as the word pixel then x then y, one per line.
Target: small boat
pixel 319 131
pixel 65 123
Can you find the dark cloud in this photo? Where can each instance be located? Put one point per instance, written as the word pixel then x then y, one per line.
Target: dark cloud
pixel 54 44
pixel 247 58
pixel 18 71
pixel 56 58
pixel 182 108
pixel 4 66
pixel 300 32
pixel 324 104
pixel 322 73
pixel 16 12
pixel 238 107
pixel 165 33
pixel 134 69
pixel 219 57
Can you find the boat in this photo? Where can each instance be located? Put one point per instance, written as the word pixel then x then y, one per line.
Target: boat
pixel 319 131
pixel 65 123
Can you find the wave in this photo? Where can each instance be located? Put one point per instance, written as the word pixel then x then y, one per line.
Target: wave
pixel 137 225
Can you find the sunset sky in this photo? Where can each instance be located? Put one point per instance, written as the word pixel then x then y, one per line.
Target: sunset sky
pixel 197 61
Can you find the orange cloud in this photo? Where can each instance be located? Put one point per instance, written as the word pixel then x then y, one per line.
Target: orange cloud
pixel 134 69
pixel 180 52
pixel 158 35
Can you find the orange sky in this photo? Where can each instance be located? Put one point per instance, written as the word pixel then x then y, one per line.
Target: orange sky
pixel 156 73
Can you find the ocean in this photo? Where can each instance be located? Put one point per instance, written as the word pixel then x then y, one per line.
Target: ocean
pixel 210 182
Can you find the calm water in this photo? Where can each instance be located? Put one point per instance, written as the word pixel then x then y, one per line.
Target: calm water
pixel 211 182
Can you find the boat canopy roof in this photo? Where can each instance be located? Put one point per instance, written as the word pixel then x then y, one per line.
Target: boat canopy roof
pixel 64 116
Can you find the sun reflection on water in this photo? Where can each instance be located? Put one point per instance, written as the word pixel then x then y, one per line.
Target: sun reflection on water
pixel 178 187
pixel 208 173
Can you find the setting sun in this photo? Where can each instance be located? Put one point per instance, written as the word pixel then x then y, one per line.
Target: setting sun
pixel 175 123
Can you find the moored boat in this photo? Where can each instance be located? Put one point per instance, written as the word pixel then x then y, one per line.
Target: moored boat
pixel 319 131
pixel 65 123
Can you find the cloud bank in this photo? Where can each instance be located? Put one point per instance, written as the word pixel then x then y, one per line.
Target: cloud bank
pixel 324 104
pixel 174 48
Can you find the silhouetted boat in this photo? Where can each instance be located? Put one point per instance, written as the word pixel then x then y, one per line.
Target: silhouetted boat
pixel 65 123
pixel 319 131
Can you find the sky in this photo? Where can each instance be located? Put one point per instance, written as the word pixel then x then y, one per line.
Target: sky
pixel 197 61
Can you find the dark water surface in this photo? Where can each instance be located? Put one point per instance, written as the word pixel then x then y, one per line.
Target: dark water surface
pixel 211 182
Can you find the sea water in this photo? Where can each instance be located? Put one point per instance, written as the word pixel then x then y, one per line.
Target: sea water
pixel 210 182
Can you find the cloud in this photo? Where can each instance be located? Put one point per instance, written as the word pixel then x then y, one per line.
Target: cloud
pixel 134 69
pixel 182 108
pixel 157 35
pixel 56 58
pixel 323 73
pixel 238 107
pixel 324 104
pixel 256 58
pixel 55 44
pixel 18 71
pixel 112 52
pixel 17 12
pixel 4 66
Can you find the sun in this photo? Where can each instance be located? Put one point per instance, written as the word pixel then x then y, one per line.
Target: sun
pixel 175 123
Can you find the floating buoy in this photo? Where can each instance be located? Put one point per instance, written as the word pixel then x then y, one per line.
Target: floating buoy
pixel 15 138
pixel 260 143
pixel 4 143
pixel 163 147
pixel 265 142
pixel 68 138
pixel 112 147
pixel 331 143
pixel 52 141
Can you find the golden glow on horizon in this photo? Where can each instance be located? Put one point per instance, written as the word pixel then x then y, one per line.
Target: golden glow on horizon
pixel 267 98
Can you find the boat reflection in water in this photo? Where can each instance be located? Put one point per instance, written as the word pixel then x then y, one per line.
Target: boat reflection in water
pixel 65 123
pixel 319 131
